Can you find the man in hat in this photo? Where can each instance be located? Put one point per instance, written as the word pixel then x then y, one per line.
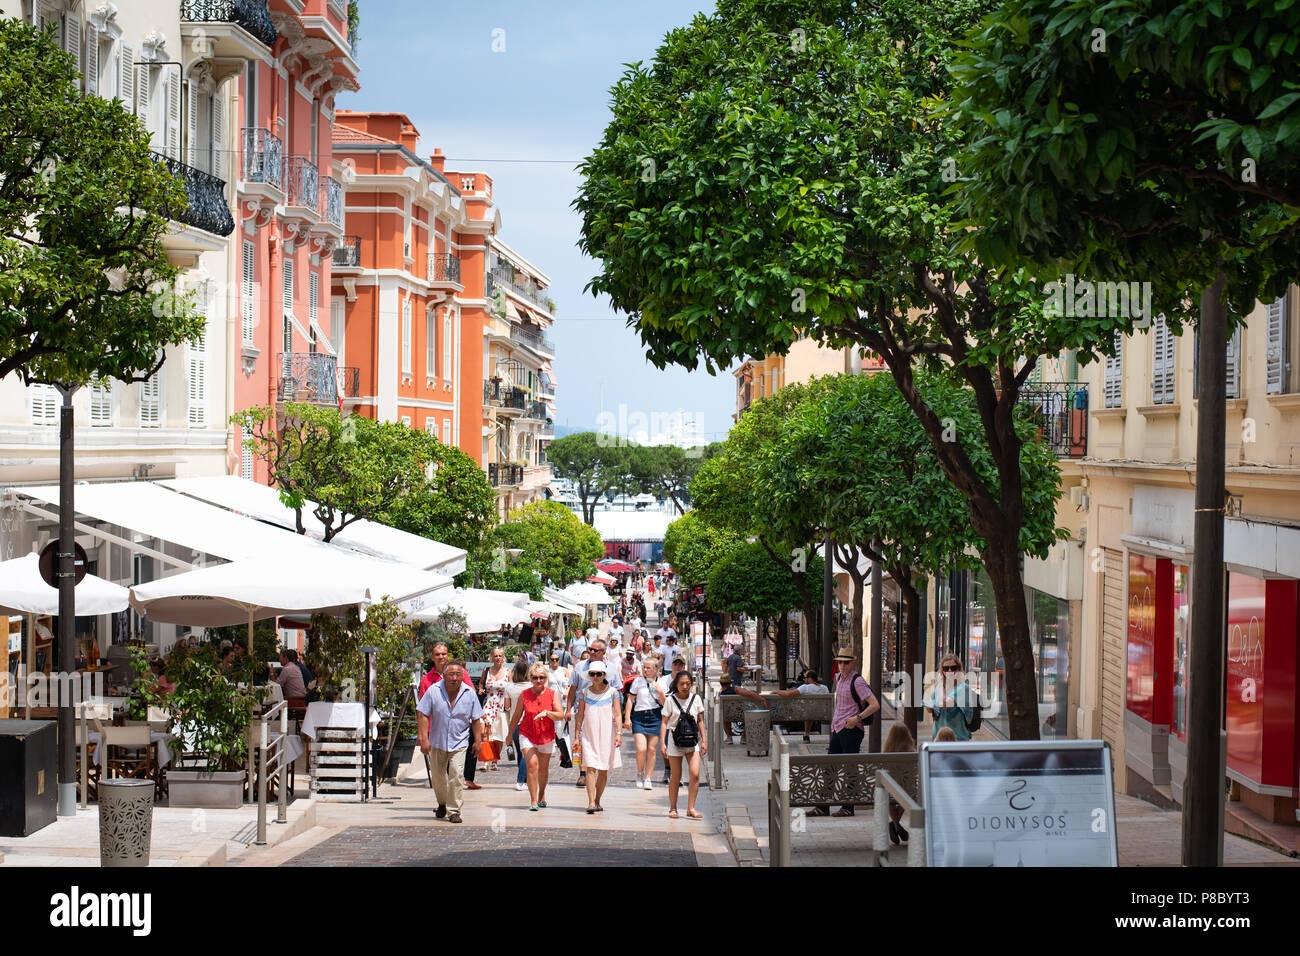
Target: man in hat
pixel 855 707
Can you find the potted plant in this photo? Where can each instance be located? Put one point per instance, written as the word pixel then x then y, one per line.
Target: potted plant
pixel 210 714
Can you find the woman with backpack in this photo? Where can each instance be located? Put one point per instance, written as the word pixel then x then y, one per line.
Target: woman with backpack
pixel 533 725
pixel 952 702
pixel 683 739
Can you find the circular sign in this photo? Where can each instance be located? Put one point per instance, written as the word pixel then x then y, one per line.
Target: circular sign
pixel 49 563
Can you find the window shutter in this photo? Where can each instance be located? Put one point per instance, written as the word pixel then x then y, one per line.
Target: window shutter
pixel 126 78
pixel 406 338
pixel 1113 387
pixel 72 37
pixel 198 370
pixel 313 297
pixel 446 347
pixel 446 431
pixel 287 362
pixel 151 401
pixel 192 129
pixel 174 117
pixel 431 345
pixel 1275 332
pixel 45 404
pixel 338 336
pixel 246 290
pixel 143 94
pixel 91 59
pixel 101 402
pixel 1162 363
pixel 288 287
pixel 218 135
pixel 1234 364
pixel 246 454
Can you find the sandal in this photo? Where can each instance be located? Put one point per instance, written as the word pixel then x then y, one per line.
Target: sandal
pixel 533 808
pixel 695 814
pixel 818 812
pixel 470 785
pixel 672 814
pixel 841 812
pixel 591 809
pixel 599 808
pixel 542 804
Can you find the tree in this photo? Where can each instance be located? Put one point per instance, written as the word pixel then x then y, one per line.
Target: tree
pixel 855 458
pixel 334 653
pixel 748 581
pixel 1156 141
pixel 599 465
pixel 693 547
pixel 779 171
pixel 83 213
pixel 456 506
pixel 350 469
pixel 554 542
pixel 665 471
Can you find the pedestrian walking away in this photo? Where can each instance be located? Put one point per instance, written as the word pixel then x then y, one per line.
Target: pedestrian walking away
pixel 684 742
pixel 533 724
pixel 448 726
pixel 643 712
pixel 600 733
pixel 855 707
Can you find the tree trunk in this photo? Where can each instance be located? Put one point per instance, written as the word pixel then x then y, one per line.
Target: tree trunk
pixel 1020 688
pixel 911 638
pixel 782 650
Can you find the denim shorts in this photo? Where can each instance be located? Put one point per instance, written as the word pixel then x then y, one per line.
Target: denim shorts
pixel 647 721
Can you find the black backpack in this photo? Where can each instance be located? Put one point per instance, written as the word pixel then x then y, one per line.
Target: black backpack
pixel 853 689
pixel 686 732
pixel 976 712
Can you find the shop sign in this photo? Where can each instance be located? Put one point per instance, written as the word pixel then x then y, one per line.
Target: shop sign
pixel 1165 514
pixel 1018 803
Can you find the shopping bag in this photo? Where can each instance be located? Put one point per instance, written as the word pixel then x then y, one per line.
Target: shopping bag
pixel 562 745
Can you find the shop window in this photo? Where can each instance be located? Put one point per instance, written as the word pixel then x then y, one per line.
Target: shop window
pixel 1182 632
pixel 1140 694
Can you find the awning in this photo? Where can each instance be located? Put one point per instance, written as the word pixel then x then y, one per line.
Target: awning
pixel 583 592
pixel 560 603
pixel 369 537
pixel 24 591
pixel 484 610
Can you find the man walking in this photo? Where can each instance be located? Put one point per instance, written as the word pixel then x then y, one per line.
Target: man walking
pixel 441 655
pixel 449 715
pixel 855 707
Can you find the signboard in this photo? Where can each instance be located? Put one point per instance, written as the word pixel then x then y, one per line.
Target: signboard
pixel 1018 803
pixel 697 643
pixel 49 563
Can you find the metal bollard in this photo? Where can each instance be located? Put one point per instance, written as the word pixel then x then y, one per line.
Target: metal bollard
pixel 261 789
pixel 282 810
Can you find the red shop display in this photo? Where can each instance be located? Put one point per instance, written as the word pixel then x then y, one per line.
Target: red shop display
pixel 1148 691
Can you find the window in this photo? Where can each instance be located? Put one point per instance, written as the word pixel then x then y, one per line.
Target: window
pixel 446 346
pixel 1113 385
pixel 430 346
pixel 1232 379
pixel 198 369
pixel 246 454
pixel 101 402
pixel 338 328
pixel 406 421
pixel 446 431
pixel 287 344
pixel 45 404
pixel 246 289
pixel 1163 368
pixel 1277 341
pixel 250 96
pixel 151 401
pixel 406 337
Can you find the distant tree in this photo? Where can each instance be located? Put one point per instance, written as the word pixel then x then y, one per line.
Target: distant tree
pixel 598 465
pixel 555 544
pixel 693 547
pixel 665 471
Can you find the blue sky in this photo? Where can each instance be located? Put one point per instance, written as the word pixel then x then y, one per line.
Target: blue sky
pixel 546 97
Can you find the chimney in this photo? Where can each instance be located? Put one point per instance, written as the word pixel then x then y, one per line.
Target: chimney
pixel 437 159
pixel 409 137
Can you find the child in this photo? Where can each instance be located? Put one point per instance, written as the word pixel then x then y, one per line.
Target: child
pixel 899 741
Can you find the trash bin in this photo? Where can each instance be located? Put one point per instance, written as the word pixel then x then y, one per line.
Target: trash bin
pixel 125 822
pixel 758 727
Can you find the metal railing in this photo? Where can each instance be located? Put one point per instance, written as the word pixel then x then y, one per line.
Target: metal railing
pixel 528 289
pixel 504 395
pixel 274 763
pixel 444 267
pixel 351 378
pixel 533 339
pixel 1061 411
pixel 504 476
pixel 349 253
pixel 332 201
pixel 308 377
pixel 263 157
pixel 536 410
pixel 206 207
pixel 302 183
pixel 253 15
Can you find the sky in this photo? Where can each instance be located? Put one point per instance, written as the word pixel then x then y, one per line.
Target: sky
pixel 544 99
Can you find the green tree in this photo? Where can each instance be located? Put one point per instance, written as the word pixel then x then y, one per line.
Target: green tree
pixel 348 468
pixel 554 542
pixel 334 653
pixel 83 213
pixel 456 506
pixel 665 471
pixel 693 547
pixel 778 171
pixel 598 465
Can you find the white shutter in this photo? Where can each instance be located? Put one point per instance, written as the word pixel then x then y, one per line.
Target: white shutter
pixel 151 401
pixel 143 95
pixel 174 116
pixel 1275 335
pixel 338 329
pixel 430 345
pixel 101 402
pixel 246 291
pixel 45 404
pixel 246 454
pixel 313 298
pixel 72 37
pixel 1113 387
pixel 194 99
pixel 218 135
pixel 288 287
pixel 286 363
pixel 1234 364
pixel 198 366
pixel 406 338
pixel 91 59
pixel 126 78
pixel 45 15
pixel 446 346
pixel 446 431
pixel 1162 363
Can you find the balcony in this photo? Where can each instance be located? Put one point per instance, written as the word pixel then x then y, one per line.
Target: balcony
pixel 1061 411
pixel 206 208
pixel 348 254
pixel 536 411
pixel 502 395
pixel 505 476
pixel 532 338
pixel 314 377
pixel 263 158
pixel 219 17
pixel 444 268
pixel 302 186
pixel 505 276
pixel 331 201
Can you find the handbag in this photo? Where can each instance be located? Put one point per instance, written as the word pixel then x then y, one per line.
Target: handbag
pixel 489 750
pixel 562 744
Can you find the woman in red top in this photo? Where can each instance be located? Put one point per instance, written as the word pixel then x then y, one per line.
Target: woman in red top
pixel 535 716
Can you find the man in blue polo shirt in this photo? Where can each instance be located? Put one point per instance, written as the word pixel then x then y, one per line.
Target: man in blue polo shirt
pixel 448 726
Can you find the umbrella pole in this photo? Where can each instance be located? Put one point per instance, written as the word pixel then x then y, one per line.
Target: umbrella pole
pixel 31 662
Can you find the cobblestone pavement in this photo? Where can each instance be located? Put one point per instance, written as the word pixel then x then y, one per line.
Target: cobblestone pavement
pixel 486 846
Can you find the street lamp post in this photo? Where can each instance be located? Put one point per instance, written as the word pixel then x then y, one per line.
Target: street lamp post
pixel 67 806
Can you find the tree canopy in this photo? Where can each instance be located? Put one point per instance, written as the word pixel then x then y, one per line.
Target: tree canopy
pixel 598 465
pixel 555 543
pixel 456 505
pixel 747 581
pixel 83 212
pixel 693 547
pixel 665 471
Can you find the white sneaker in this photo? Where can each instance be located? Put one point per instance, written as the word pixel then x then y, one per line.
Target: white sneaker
pixel 521 786
pixel 648 784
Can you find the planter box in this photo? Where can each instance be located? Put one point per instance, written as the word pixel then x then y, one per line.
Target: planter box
pixel 403 751
pixel 210 790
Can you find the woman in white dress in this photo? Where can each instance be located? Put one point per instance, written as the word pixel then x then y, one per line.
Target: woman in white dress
pixel 495 715
pixel 600 733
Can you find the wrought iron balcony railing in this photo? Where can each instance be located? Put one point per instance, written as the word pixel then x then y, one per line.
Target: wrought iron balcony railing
pixel 1061 410
pixel 302 183
pixel 504 395
pixel 531 338
pixel 349 253
pixel 263 157
pixel 314 377
pixel 504 475
pixel 528 289
pixel 332 200
pixel 444 267
pixel 253 15
pixel 206 207
pixel 536 410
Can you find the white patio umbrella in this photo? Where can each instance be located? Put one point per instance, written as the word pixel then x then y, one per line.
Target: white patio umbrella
pixel 583 592
pixel 600 577
pixel 483 611
pixel 24 591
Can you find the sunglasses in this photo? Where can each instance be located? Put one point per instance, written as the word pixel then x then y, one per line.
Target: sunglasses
pixel 536 677
pixel 951 668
